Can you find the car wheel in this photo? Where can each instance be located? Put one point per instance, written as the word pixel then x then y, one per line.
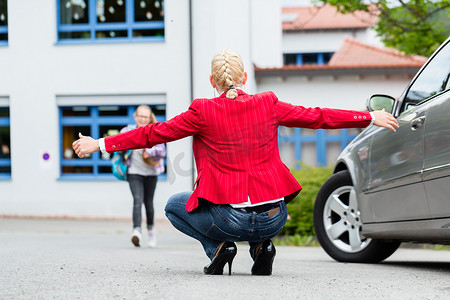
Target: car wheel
pixel 338 224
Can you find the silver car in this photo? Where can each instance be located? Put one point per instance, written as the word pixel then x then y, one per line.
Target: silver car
pixel 389 187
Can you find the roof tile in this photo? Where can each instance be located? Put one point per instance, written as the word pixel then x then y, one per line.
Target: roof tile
pixel 324 17
pixel 355 53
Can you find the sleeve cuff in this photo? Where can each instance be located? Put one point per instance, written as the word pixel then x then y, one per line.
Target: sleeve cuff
pixel 101 145
pixel 373 118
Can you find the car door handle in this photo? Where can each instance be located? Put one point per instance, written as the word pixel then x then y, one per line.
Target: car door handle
pixel 417 122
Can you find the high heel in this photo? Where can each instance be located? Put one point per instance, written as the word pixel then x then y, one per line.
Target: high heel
pixel 264 257
pixel 226 254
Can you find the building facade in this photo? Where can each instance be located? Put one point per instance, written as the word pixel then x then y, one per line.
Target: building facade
pixel 69 66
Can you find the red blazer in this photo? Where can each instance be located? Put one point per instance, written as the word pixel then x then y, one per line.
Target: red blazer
pixel 236 146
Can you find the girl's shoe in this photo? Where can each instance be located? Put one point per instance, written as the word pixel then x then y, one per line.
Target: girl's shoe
pixel 226 254
pixel 136 238
pixel 152 238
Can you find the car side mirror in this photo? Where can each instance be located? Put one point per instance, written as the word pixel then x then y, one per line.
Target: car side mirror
pixel 378 102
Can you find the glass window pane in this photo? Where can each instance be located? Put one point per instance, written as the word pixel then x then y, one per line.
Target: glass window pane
pixel 77 170
pixel 104 170
pixel 333 150
pixel 287 153
pixel 432 80
pixel 148 32
pixel 309 154
pixel 70 134
pixel 111 11
pixel 5 170
pixel 4 112
pixel 159 110
pixel 310 58
pixel 148 10
pixel 75 35
pixel 5 142
pixel 112 111
pixel 107 130
pixel 111 34
pixel 77 111
pixel 74 12
pixel 290 59
pixel 334 132
pixel 3 13
pixel 3 36
pixel 327 57
pixel 354 131
pixel 308 132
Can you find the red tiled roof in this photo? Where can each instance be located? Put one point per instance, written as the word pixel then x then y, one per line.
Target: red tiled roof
pixel 325 17
pixel 355 53
pixel 356 57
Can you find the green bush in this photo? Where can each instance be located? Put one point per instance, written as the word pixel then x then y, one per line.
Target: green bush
pixel 301 208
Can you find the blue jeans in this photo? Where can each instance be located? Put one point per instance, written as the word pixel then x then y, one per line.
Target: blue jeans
pixel 213 224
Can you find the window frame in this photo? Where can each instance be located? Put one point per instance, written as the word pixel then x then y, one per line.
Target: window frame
pixel 94 121
pixel 320 140
pixel 5 162
pixel 93 26
pixel 300 58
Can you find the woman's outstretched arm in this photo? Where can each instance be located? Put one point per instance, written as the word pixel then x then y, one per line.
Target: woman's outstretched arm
pixel 307 117
pixel 183 125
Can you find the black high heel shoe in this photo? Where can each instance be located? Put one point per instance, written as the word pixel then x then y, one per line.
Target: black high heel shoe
pixel 225 255
pixel 264 257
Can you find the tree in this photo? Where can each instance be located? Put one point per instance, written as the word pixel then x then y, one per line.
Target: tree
pixel 414 27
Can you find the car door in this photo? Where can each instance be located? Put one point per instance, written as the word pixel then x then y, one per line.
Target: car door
pixel 396 191
pixel 434 82
pixel 410 170
pixel 436 173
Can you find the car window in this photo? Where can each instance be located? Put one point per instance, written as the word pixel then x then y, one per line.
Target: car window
pixel 431 81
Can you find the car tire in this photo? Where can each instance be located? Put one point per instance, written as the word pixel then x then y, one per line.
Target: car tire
pixel 338 224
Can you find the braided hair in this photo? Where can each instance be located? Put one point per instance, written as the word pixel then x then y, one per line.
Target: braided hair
pixel 227 71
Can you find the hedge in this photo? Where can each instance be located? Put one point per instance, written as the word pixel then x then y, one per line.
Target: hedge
pixel 300 221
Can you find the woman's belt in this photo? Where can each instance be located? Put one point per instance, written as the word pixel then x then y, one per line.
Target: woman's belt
pixel 260 208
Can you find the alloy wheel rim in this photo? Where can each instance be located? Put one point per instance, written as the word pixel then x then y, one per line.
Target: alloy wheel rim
pixel 342 220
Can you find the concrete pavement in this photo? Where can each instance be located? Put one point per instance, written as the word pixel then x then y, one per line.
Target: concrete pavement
pixel 73 259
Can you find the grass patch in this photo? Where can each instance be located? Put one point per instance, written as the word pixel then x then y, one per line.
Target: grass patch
pixel 296 240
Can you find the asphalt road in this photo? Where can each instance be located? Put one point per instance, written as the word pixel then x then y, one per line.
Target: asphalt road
pixel 68 259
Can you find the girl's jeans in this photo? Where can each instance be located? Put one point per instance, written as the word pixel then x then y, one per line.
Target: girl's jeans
pixel 142 188
pixel 212 224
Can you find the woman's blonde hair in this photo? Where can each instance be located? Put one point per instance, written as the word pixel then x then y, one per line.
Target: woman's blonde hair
pixel 227 71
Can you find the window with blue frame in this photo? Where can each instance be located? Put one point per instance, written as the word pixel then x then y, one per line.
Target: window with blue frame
pixel 300 59
pixel 313 147
pixel 3 22
pixel 95 121
pixel 5 144
pixel 106 20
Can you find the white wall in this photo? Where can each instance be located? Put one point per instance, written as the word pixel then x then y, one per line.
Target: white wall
pixel 266 33
pixel 35 70
pixel 252 28
pixel 344 92
pixel 219 25
pixel 324 41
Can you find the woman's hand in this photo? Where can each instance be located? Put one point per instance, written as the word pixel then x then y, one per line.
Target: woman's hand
pixel 385 119
pixel 85 145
